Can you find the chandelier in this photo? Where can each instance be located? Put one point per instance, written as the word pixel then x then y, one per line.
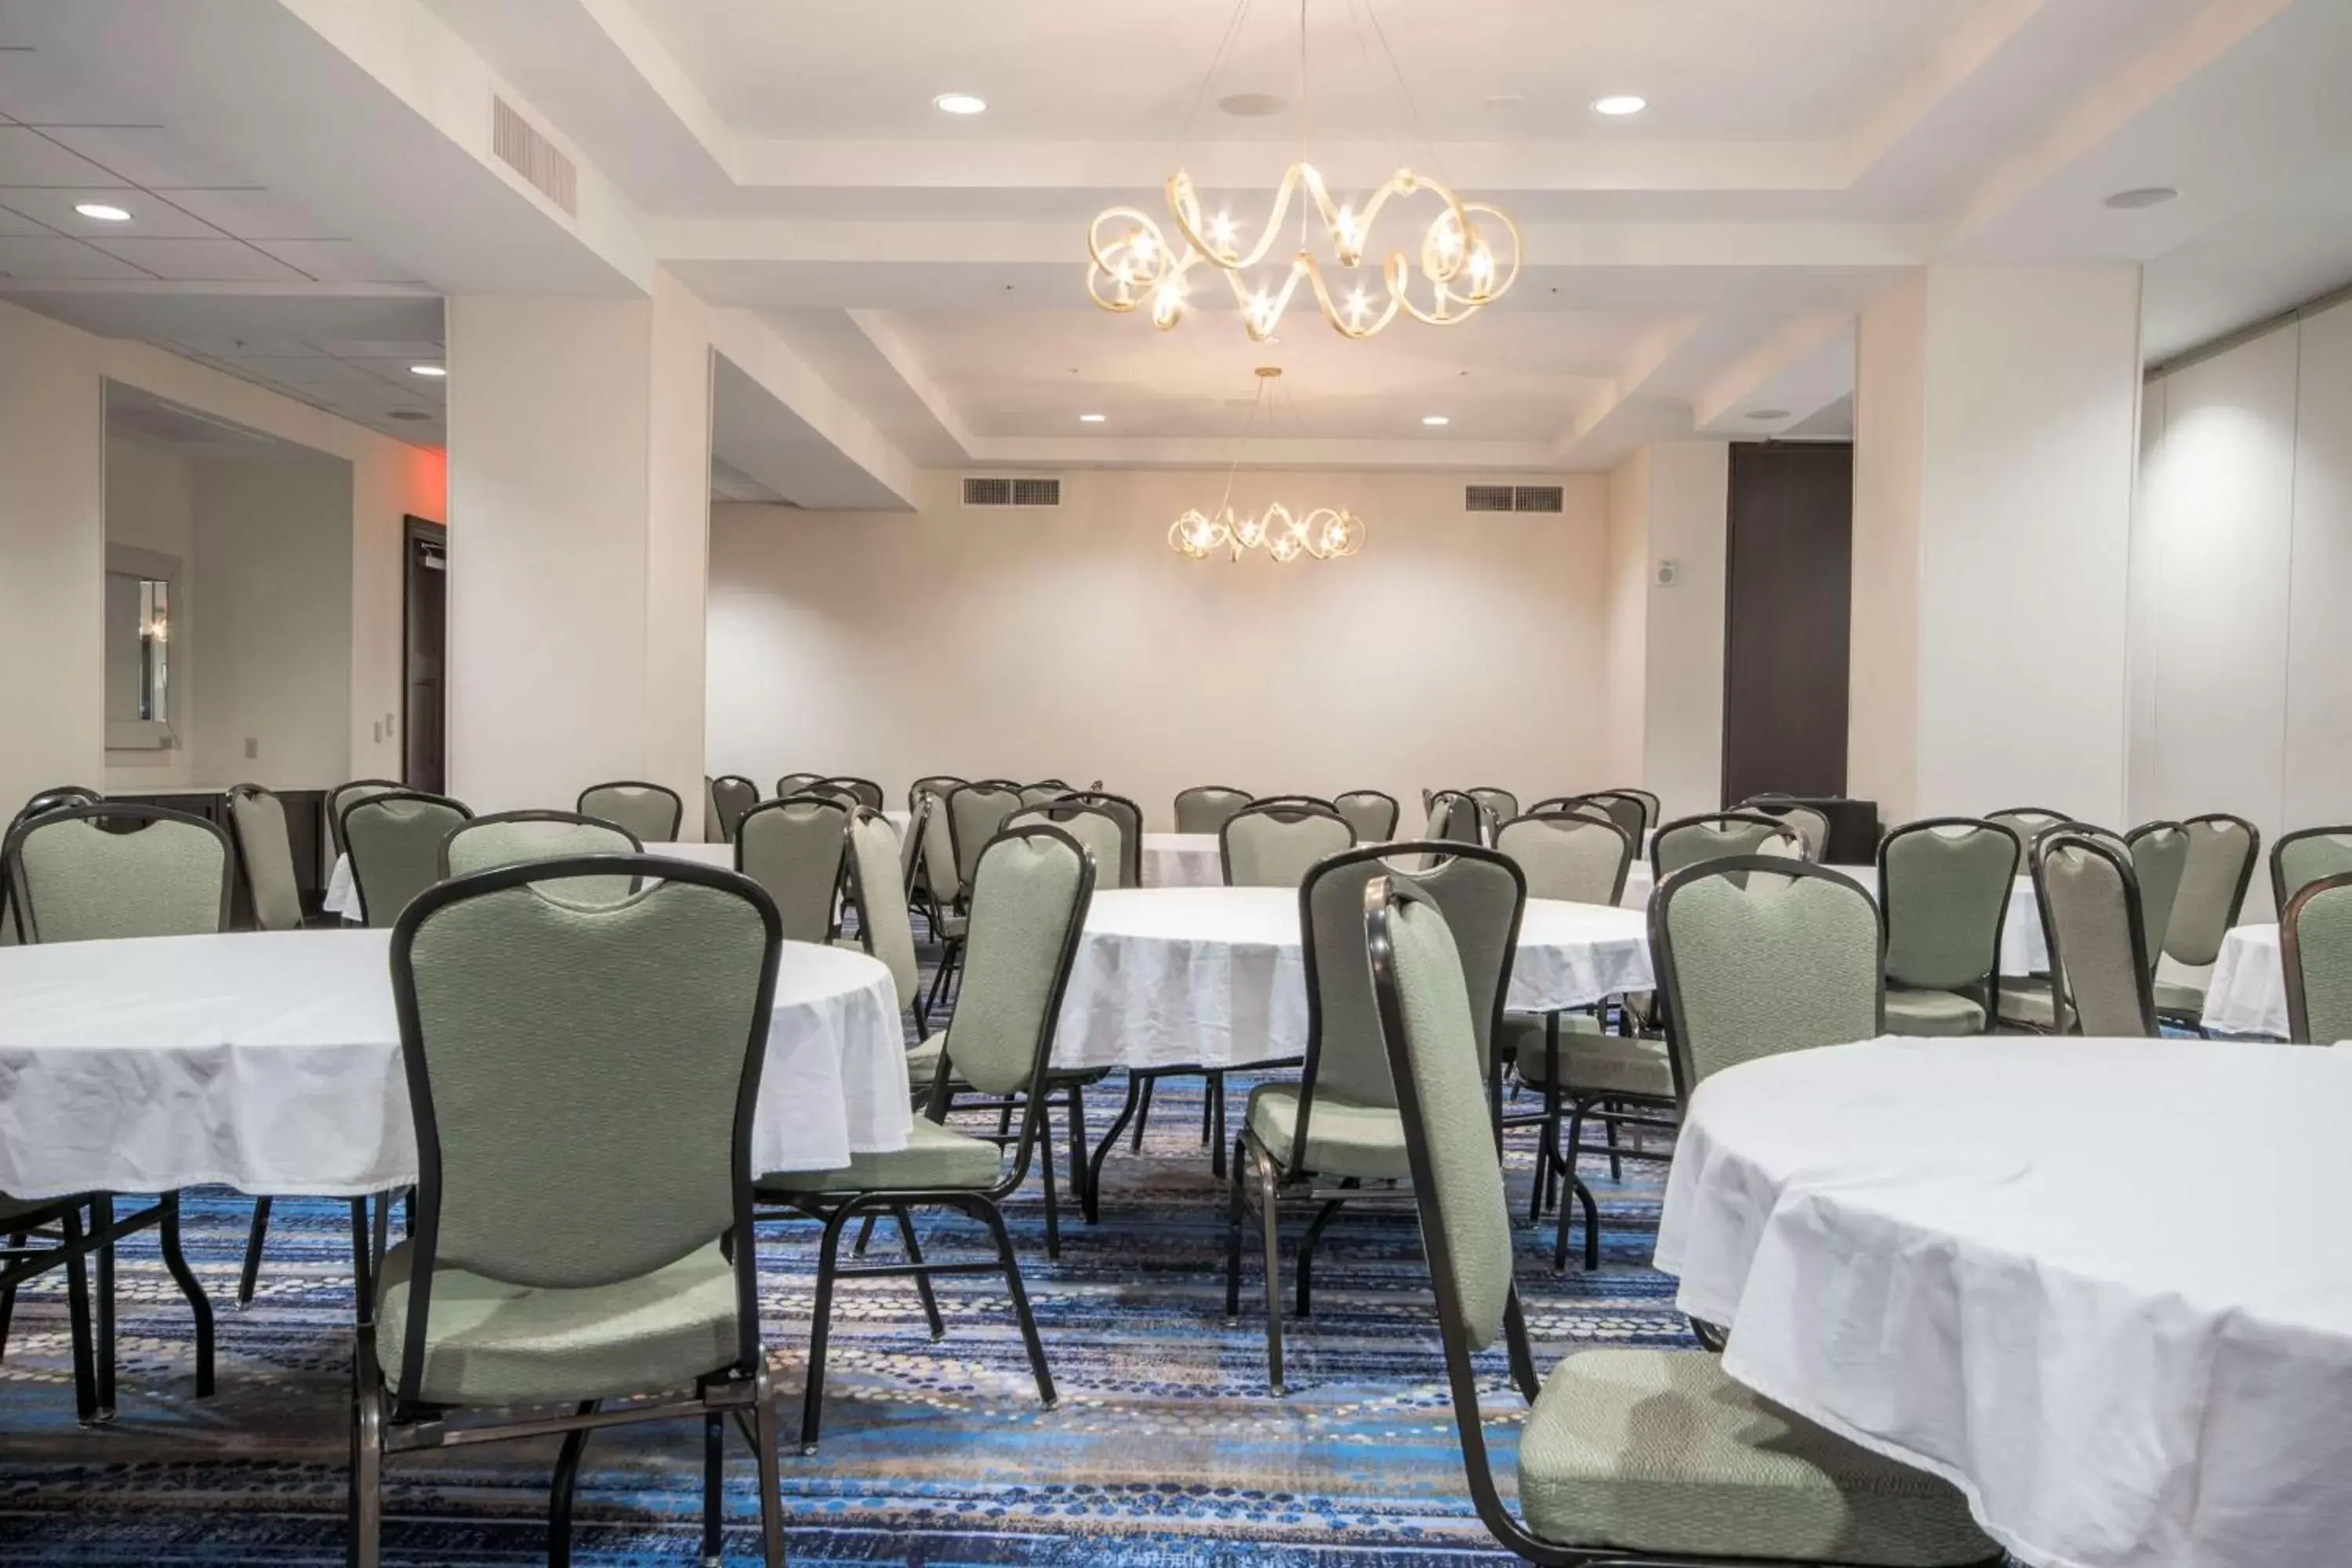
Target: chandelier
pixel 1326 533
pixel 1134 265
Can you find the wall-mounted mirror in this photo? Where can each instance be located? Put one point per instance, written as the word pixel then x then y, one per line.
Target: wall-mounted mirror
pixel 139 592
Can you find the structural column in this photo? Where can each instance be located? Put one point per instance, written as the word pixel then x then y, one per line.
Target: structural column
pixel 1668 510
pixel 579 504
pixel 1996 448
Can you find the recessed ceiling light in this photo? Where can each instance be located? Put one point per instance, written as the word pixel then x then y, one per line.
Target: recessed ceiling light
pixel 1621 103
pixel 2143 196
pixel 958 103
pixel 1092 418
pixel 1767 414
pixel 410 414
pixel 435 371
pixel 103 212
pixel 1435 419
pixel 1252 105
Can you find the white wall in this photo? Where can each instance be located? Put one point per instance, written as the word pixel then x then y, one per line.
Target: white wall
pixel 1664 715
pixel 151 505
pixel 1454 650
pixel 2242 541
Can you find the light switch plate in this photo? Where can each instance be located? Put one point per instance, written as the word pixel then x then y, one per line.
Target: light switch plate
pixel 252 748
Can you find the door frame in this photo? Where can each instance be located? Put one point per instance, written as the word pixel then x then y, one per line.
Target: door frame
pixel 413 531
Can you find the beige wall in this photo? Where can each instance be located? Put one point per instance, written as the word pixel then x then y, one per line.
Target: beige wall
pixel 1883 677
pixel 150 499
pixel 1455 649
pixel 1667 503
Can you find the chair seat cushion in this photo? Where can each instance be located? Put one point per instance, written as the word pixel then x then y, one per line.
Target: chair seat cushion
pixel 492 1343
pixel 1592 1062
pixel 1343 1138
pixel 935 1156
pixel 2026 1003
pixel 1933 1013
pixel 2178 999
pixel 1658 1452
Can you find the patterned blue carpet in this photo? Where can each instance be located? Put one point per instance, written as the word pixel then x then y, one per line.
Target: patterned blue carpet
pixel 1165 1448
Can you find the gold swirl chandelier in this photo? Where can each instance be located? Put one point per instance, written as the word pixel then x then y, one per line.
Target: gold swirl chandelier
pixel 1324 533
pixel 1132 264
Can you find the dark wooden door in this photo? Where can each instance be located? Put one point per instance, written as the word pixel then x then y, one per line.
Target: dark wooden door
pixel 426 642
pixel 1787 577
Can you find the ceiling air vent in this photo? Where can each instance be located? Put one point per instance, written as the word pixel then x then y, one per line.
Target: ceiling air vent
pixel 990 490
pixel 1486 498
pixel 1511 498
pixel 520 146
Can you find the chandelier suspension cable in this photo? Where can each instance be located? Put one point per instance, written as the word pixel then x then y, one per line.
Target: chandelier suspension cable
pixel 1249 419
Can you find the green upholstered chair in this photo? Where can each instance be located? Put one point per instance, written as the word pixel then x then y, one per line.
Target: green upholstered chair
pixel 2222 851
pixel 1321 1139
pixel 2303 856
pixel 1270 845
pixel 793 783
pixel 1944 885
pixel 861 792
pixel 2316 945
pixel 651 812
pixel 2159 856
pixel 795 849
pixel 1630 811
pixel 1205 808
pixel 975 812
pixel 1043 790
pixel 731 794
pixel 558 1046
pixel 1454 818
pixel 351 794
pixel 1499 805
pixel 394 837
pixel 885 928
pixel 521 838
pixel 932 783
pixel 96 872
pixel 2025 822
pixel 2101 981
pixel 1372 813
pixel 1109 826
pixel 1808 823
pixel 1690 841
pixel 39 802
pixel 1622 812
pixel 265 855
pixel 1569 856
pixel 1029 890
pixel 1649 803
pixel 1628 1457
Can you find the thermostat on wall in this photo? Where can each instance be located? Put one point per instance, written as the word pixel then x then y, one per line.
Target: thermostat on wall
pixel 1668 571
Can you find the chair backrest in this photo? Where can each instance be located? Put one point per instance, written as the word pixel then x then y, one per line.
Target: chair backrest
pixel 794 848
pixel 1568 856
pixel 933 783
pixel 976 811
pixel 731 794
pixel 2091 908
pixel 2315 944
pixel 1317 801
pixel 2026 823
pixel 2159 856
pixel 265 853
pixel 2222 850
pixel 51 799
pixel 861 792
pixel 1102 830
pixel 394 837
pixel 2303 856
pixel 1484 897
pixel 1205 808
pixel 583 1075
pixel 92 872
pixel 910 843
pixel 1274 845
pixel 651 812
pixel 1690 841
pixel 345 794
pixel 936 852
pixel 876 884
pixel 1630 812
pixel 1499 805
pixel 1810 824
pixel 1944 885
pixel 1649 803
pixel 1456 818
pixel 1372 813
pixel 1043 790
pixel 1759 955
pixel 1129 817
pixel 526 837
pixel 1029 897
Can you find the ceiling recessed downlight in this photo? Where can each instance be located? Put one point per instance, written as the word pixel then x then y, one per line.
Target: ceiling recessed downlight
pixel 435 371
pixel 2143 196
pixel 1767 414
pixel 104 212
pixel 1621 103
pixel 1092 418
pixel 1434 419
pixel 960 103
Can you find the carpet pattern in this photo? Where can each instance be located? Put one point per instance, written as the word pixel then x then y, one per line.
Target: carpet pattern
pixel 1165 1448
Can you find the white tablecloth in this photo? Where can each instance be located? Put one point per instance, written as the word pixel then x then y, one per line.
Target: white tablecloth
pixel 1182 860
pixel 1216 976
pixel 2247 994
pixel 2001 1260
pixel 272 1062
pixel 343 897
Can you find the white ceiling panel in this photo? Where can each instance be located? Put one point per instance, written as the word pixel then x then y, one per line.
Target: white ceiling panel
pixel 151 217
pixel 40 259
pixel 299 370
pixel 17 223
pixel 333 261
pixel 252 215
pixel 36 90
pixel 395 373
pixel 29 158
pixel 203 261
pixel 408 351
pixel 145 155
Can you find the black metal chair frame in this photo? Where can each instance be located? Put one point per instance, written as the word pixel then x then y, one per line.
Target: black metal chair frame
pixel 869 794
pixel 676 805
pixel 359 881
pixel 742 1390
pixel 793 783
pixel 834 1210
pixel 2298 1007
pixel 2062 1013
pixel 958 898
pixel 2279 894
pixel 243 851
pixel 1456 803
pixel 1989 982
pixel 1395 810
pixel 335 806
pixel 1278 1182
pixel 727 823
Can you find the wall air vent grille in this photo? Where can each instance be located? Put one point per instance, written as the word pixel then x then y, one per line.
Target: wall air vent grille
pixel 1511 497
pixel 1536 498
pixel 991 491
pixel 1486 498
pixel 520 146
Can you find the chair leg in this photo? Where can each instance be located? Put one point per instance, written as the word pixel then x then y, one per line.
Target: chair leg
pixel 771 1476
pixel 714 1490
pixel 365 1518
pixel 1315 1228
pixel 1236 1210
pixel 199 1306
pixel 559 1502
pixel 382 1241
pixel 1137 1088
pixel 864 1235
pixel 1270 1216
pixel 1581 1193
pixel 8 1298
pixel 1609 1130
pixel 922 1281
pixel 85 1367
pixel 1208 1093
pixel 1045 1174
pixel 828 1262
pixel 1217 1105
pixel 1143 1115
pixel 251 1276
pixel 363 1276
pixel 102 1220
pixel 1078 1130
pixel 987 1214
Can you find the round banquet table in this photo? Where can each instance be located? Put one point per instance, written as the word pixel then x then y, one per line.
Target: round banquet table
pixel 1215 978
pixel 343 897
pixel 272 1062
pixel 2247 993
pixel 1998 1260
pixel 1182 860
